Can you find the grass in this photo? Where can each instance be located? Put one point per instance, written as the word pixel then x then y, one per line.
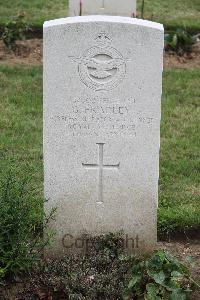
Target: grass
pixel 21 121
pixel 21 139
pixel 180 142
pixel 172 13
pixel 37 11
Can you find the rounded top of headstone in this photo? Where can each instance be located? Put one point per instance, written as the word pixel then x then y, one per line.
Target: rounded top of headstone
pixel 102 18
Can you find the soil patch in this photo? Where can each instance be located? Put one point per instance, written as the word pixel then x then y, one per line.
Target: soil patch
pixel 29 52
pixel 188 61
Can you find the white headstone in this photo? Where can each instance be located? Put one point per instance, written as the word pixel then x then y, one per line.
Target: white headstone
pixel 102 7
pixel 102 109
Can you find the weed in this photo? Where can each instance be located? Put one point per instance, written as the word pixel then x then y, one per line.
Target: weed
pixel 158 277
pixel 21 225
pixel 106 273
pixel 15 30
pixel 179 41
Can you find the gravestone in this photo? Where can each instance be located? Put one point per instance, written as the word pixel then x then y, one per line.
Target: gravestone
pixel 102 94
pixel 102 7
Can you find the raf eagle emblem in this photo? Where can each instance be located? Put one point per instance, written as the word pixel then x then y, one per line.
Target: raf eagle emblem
pixel 102 69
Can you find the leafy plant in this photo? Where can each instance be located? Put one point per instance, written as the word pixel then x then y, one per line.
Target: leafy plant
pixel 111 243
pixel 100 274
pixel 105 272
pixel 21 226
pixel 159 277
pixel 179 41
pixel 15 30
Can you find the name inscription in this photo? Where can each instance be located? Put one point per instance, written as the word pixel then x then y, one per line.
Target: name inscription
pixel 100 118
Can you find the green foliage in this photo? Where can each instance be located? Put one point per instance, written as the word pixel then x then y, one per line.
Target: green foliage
pixel 100 274
pixel 21 225
pixel 15 30
pixel 160 277
pixel 179 41
pixel 105 272
pixel 111 243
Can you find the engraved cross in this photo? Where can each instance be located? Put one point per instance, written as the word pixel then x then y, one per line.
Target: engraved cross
pixel 100 167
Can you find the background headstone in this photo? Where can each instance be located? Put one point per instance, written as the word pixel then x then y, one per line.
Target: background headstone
pixel 102 92
pixel 103 7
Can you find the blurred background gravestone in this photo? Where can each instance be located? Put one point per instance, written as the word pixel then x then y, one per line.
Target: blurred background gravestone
pixel 102 7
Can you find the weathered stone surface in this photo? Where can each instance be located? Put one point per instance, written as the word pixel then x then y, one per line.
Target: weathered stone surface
pixel 102 92
pixel 125 8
